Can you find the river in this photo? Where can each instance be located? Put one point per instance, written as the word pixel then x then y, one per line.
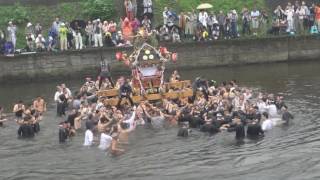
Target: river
pixel 291 153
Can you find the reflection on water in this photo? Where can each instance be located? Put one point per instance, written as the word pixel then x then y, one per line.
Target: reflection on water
pixel 285 153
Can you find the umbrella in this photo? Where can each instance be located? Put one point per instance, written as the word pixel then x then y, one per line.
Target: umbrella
pixel 205 6
pixel 81 23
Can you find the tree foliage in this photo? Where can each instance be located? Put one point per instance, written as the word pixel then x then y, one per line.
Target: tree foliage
pixel 103 9
pixel 17 13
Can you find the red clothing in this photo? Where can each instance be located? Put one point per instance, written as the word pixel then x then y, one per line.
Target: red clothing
pixel 126 30
pixel 317 11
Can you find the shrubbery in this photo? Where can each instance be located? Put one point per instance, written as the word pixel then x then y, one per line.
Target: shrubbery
pixel 19 14
pixel 103 9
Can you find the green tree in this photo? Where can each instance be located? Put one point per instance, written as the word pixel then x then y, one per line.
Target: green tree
pixel 103 9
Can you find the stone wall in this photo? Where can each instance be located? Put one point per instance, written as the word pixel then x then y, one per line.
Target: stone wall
pixel 78 64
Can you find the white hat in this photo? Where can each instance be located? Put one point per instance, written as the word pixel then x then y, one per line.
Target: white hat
pixel 29 24
pixel 62 24
pixel 10 22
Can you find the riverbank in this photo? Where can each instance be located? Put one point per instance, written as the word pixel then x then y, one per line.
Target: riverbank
pixel 79 64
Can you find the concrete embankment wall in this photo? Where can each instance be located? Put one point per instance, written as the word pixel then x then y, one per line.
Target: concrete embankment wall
pixel 83 63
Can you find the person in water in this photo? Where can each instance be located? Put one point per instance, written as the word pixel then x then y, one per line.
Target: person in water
pixel 115 150
pixel 63 132
pixel 88 139
pixel 267 123
pixel 18 110
pixel 200 85
pixel 125 92
pixel 286 115
pixel 105 73
pixel 175 77
pixel 254 129
pixel 105 140
pixel 2 117
pixel 184 131
pixel 26 130
pixel 237 126
pixel 39 106
pixel 34 122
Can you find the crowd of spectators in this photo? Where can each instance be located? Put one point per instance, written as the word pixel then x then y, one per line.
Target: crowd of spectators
pixel 205 25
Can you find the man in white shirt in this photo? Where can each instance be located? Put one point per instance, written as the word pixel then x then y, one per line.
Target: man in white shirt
pixel 88 138
pixel 272 110
pixel 64 87
pixel 147 7
pixel 105 140
pixel 267 124
pixel 165 15
pixel 57 94
pixel 301 13
pixel 255 14
pixel 289 13
pixel 203 16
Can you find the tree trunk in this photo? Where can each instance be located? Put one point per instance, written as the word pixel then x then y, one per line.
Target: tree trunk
pixel 119 8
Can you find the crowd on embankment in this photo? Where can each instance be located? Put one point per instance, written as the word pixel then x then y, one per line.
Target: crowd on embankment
pixel 204 25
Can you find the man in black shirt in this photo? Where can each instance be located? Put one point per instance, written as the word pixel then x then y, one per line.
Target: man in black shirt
pixel 184 130
pixel 63 132
pixel 236 126
pixel 26 130
pixel 200 85
pixel 254 129
pixel 125 92
pixel 286 116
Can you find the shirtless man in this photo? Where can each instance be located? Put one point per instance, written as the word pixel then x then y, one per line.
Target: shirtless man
pixel 175 77
pixel 40 106
pixel 18 110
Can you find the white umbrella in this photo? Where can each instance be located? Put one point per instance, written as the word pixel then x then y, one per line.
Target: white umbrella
pixel 205 6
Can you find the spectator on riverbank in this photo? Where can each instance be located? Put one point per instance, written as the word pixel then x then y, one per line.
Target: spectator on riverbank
pixel 191 23
pixel 127 30
pixel 56 25
pixel 77 36
pixel 40 42
pixel 289 12
pixel 245 22
pixel 148 9
pixel 2 41
pixel 63 31
pixel 129 9
pixel 255 17
pixel 203 17
pixel 294 19
pixel 221 17
pixel 165 15
pixel 37 29
pixel 317 16
pixel 146 23
pixel 97 33
pixel 12 34
pixel 234 26
pixel 30 42
pixel 89 34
